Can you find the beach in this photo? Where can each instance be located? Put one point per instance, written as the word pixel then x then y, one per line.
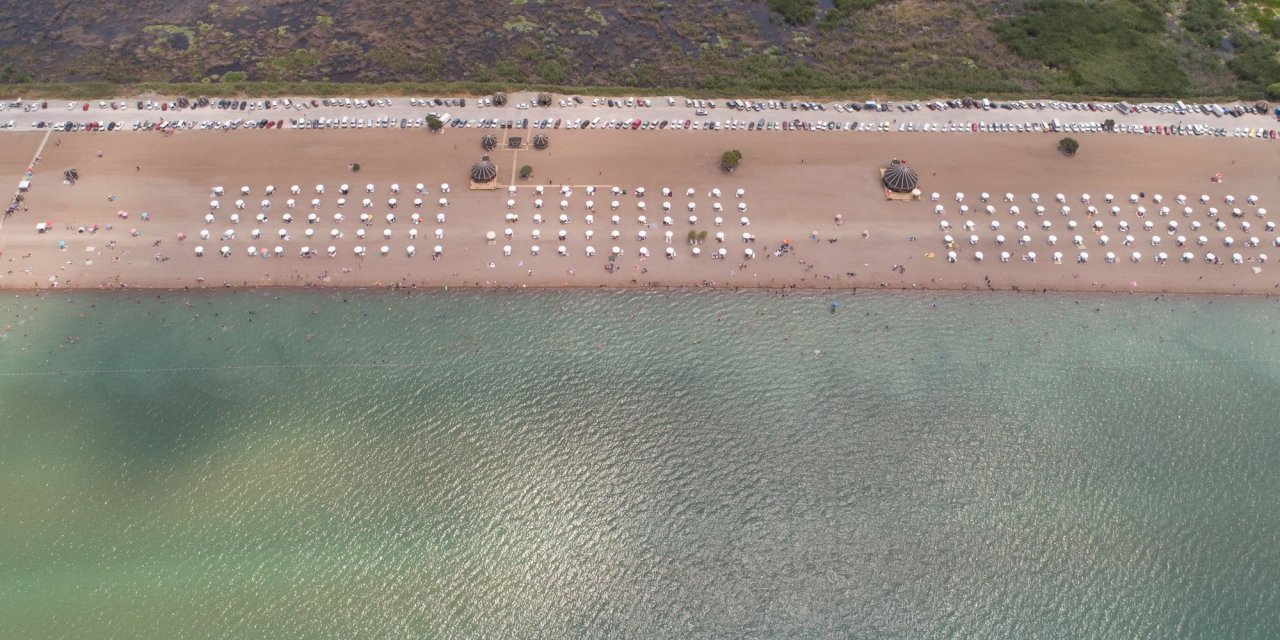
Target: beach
pixel 795 184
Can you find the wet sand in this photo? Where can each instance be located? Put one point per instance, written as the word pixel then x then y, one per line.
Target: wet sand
pixel 795 183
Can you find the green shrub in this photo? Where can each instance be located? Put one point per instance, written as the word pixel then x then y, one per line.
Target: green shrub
pixel 526 171
pixel 1069 146
pixel 730 159
pixel 795 12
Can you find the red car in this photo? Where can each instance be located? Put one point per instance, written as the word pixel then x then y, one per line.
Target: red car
pixel 85 107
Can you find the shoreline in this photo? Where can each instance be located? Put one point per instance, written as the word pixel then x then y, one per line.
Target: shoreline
pixel 603 288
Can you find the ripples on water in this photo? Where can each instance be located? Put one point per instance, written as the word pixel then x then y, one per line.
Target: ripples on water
pixel 638 465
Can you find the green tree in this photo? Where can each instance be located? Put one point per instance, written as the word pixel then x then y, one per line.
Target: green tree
pixel 730 159
pixel 1069 146
pixel 526 171
pixel 434 123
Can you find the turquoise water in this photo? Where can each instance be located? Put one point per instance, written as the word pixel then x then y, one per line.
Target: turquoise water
pixel 638 465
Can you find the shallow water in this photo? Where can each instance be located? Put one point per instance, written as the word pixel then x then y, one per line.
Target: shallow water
pixel 569 464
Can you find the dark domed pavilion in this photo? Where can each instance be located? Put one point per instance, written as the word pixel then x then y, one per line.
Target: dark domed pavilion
pixel 484 170
pixel 900 178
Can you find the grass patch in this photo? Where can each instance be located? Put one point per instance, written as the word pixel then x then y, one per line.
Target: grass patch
pixel 1110 47
pixel 795 12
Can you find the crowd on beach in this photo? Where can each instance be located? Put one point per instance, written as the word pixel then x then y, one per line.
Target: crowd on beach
pixel 662 225
pixel 1192 230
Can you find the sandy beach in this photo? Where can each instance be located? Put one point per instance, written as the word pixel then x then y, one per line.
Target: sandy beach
pixel 795 185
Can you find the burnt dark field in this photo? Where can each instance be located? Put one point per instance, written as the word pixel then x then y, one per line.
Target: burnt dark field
pixel 1045 47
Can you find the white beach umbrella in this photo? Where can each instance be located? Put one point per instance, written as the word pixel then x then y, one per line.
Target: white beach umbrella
pixel 977 256
pixel 1004 256
pixel 1056 258
pixel 1051 240
pixel 235 218
pixel 591 251
pixel 199 250
pixel 589 219
pixel 226 251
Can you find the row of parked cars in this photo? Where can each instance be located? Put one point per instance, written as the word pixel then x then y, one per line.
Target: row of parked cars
pixel 357 123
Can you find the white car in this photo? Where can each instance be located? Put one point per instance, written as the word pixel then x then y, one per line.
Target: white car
pixel 522 105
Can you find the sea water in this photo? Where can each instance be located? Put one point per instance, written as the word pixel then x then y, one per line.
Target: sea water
pixel 638 465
